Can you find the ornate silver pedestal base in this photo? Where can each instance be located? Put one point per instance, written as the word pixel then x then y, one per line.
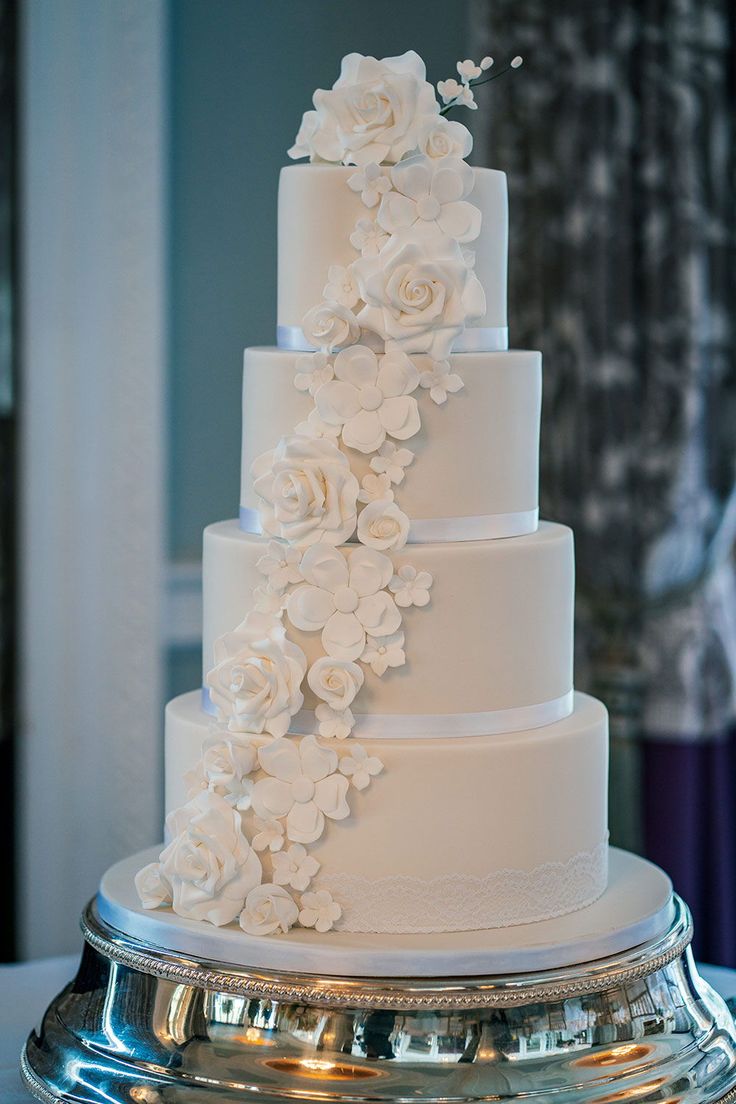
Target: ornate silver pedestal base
pixel 142 1026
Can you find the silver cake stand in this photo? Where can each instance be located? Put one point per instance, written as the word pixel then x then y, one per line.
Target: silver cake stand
pixel 152 1019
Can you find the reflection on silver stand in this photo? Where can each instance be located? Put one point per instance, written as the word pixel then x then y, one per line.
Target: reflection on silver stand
pixel 141 1026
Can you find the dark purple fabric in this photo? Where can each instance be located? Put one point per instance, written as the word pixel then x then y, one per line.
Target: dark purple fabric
pixel 690 831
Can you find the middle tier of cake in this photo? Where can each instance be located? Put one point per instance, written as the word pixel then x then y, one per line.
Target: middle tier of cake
pixel 475 456
pixel 497 634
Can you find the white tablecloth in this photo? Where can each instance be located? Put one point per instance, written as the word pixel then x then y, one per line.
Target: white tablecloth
pixel 26 990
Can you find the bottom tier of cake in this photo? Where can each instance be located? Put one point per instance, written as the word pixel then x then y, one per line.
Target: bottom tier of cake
pixel 455 834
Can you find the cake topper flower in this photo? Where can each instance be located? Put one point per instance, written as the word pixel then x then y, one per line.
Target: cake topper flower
pixel 461 93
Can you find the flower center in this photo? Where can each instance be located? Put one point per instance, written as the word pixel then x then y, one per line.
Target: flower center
pixel 370 398
pixel 428 208
pixel 346 600
pixel 302 789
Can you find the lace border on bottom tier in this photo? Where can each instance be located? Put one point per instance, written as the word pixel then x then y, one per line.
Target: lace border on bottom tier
pixel 462 902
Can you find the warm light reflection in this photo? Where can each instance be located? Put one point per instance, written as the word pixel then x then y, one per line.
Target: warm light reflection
pixel 254 1036
pixel 615 1056
pixel 632 1093
pixel 321 1068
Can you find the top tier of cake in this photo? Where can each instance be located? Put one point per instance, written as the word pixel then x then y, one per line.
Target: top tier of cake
pixel 317 215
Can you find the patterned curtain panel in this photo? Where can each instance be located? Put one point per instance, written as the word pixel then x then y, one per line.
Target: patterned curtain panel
pixel 618 138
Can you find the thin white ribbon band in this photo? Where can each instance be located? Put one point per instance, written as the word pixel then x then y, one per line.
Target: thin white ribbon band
pixel 441 530
pixel 436 726
pixel 474 339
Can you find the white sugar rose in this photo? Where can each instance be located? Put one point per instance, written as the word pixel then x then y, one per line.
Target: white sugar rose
pixel 307 490
pixel 372 113
pixel 330 325
pixel 439 137
pixel 209 863
pixel 335 681
pixel 153 888
pixel 227 760
pixel 255 683
pixel 268 909
pixel 383 525
pixel 419 294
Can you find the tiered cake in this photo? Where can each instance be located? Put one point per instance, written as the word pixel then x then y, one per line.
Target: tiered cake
pixel 388 739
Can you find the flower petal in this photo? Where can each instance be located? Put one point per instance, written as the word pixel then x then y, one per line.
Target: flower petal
pixel 271 798
pixel 400 417
pixel 460 220
pixel 343 636
pixel 412 177
pixel 325 567
pixel 280 759
pixel 357 365
pixel 397 375
pixel 364 432
pixel 396 213
pixel 452 181
pixel 378 614
pixel 317 762
pixel 309 607
pixel 329 796
pixel 305 822
pixel 337 402
pixel 369 571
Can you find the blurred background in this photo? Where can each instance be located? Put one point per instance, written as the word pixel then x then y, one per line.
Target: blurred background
pixel 140 145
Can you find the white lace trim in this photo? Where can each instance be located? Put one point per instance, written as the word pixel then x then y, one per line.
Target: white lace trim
pixel 462 902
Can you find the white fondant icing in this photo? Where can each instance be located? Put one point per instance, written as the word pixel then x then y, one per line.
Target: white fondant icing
pixel 322 222
pixel 477 454
pixel 497 634
pixel 458 807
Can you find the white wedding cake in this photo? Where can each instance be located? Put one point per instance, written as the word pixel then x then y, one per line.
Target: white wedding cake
pixel 388 739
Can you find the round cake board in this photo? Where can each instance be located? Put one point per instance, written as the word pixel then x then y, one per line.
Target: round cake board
pixel 636 907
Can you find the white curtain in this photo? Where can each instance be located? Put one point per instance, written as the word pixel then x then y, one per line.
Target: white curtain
pixel 93 228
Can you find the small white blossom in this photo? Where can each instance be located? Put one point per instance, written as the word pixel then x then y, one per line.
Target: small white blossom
pixel 312 370
pixel 313 426
pixel 375 487
pixel 319 911
pixel 411 587
pixel 468 70
pixel 449 89
pixel 486 63
pixel 440 381
pixel 267 600
pixel 516 62
pixel 270 835
pixel 371 182
pixel 360 767
pixel 382 652
pixel 294 867
pixel 392 459
pixel 466 98
pixel 334 725
pixel 341 287
pixel 280 565
pixel 368 237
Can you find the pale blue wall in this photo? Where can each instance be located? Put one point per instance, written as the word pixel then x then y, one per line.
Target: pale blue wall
pixel 242 73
